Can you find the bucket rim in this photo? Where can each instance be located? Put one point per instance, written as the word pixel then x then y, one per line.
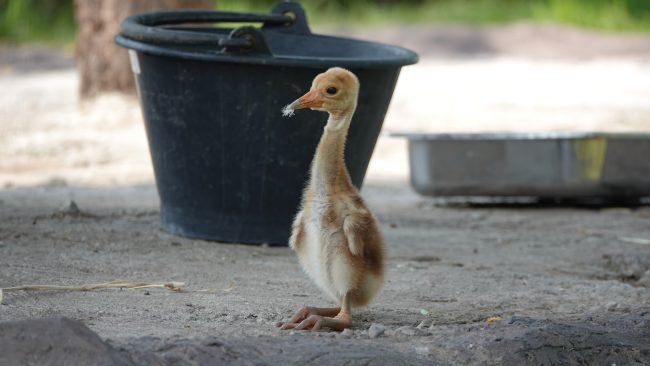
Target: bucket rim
pixel 151 33
pixel 401 56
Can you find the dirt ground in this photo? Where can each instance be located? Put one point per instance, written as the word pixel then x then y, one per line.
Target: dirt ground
pixel 569 284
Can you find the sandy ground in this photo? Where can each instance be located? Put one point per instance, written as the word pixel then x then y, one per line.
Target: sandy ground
pixel 571 284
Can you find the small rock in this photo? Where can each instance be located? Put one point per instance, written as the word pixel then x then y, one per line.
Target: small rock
pixel 346 333
pixel 511 319
pixel 361 334
pixel 422 350
pixel 408 330
pixel 611 306
pixel 595 309
pixel 56 182
pixel 477 216
pixel 376 330
pixel 623 308
pixel 73 208
pixel 645 279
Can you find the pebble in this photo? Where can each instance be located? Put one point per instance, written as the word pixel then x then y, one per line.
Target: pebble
pixel 645 279
pixel 346 333
pixel 73 208
pixel 595 309
pixel 611 306
pixel 623 308
pixel 477 216
pixel 361 334
pixel 408 330
pixel 376 330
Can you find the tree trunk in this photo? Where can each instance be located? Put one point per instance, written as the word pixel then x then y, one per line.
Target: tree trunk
pixel 103 66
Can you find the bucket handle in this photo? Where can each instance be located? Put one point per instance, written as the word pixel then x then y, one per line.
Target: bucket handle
pixel 286 17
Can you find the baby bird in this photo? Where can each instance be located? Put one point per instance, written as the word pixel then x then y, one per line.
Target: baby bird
pixel 334 234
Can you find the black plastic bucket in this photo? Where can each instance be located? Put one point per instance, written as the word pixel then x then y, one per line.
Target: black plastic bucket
pixel 228 166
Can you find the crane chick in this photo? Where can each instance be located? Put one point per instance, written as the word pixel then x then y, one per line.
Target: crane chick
pixel 334 234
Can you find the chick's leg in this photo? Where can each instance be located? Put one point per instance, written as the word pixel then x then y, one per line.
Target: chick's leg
pixel 339 322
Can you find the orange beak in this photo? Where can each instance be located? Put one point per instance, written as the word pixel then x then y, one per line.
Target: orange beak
pixel 309 100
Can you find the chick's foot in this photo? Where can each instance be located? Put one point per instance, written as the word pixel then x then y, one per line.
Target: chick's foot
pixel 307 312
pixel 309 318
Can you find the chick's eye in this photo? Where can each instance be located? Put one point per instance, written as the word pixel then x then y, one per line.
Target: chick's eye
pixel 331 90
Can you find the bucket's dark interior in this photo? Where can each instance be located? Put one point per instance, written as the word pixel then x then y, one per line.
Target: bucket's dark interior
pixel 228 166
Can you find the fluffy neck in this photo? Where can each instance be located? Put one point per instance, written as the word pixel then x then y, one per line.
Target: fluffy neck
pixel 328 172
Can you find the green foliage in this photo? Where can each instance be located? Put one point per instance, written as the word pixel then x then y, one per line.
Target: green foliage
pixel 53 21
pixel 395 11
pixel 37 20
pixel 617 15
pixel 601 14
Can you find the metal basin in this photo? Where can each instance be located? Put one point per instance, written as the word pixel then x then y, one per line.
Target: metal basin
pixel 546 165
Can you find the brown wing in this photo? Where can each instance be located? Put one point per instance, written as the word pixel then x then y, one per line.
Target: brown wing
pixel 297 232
pixel 364 240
